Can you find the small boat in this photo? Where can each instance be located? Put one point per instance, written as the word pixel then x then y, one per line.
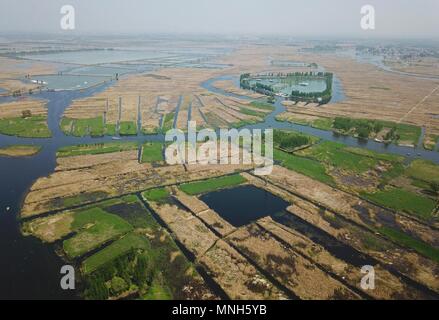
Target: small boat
pixel 304 84
pixel 116 138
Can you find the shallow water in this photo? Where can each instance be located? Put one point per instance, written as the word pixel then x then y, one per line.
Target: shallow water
pixel 70 81
pixel 97 56
pixel 243 204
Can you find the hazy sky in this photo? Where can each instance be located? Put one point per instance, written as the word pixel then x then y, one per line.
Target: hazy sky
pixel 394 18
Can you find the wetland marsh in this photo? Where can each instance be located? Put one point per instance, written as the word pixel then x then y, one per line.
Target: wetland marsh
pixel 93 189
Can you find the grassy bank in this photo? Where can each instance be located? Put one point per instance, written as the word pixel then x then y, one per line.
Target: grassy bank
pixel 407 241
pixel 402 200
pixel 308 167
pixel 127 128
pixel 213 184
pixel 98 148
pixel 152 152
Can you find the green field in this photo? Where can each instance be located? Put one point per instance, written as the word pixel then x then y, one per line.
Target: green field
pixel 424 170
pixel 110 129
pixel 372 154
pixel 334 154
pixel 127 128
pixel 98 148
pixel 87 127
pixel 322 123
pixel 308 167
pixel 407 241
pixel 31 127
pixel 152 152
pixel 405 201
pixel 407 133
pixel 113 251
pixel 213 184
pixel 168 122
pixel 94 227
pixel 93 127
pixel 156 195
pixel 146 260
pixel 131 209
pixel 262 105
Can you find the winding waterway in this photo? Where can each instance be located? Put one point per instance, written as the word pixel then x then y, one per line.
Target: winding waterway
pixel 28 268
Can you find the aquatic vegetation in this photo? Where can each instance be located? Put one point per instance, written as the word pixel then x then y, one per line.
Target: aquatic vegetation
pixel 116 249
pixel 146 259
pixel 84 127
pixel 334 154
pixel 308 167
pixel 94 227
pixel 407 241
pixel 156 195
pixel 262 105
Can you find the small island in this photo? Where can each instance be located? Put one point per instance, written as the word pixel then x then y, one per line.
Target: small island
pixel 19 150
pixel 311 87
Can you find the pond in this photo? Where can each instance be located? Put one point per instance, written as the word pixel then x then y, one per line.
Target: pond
pixel 241 205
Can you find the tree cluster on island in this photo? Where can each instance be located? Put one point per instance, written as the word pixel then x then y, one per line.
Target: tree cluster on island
pixel 322 97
